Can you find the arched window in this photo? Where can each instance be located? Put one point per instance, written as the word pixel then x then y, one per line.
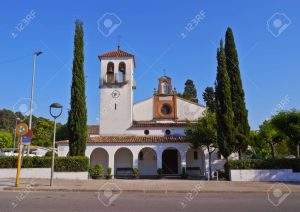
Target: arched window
pixel 122 72
pixel 110 72
pixel 164 88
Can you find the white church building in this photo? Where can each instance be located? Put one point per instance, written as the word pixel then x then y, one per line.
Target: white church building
pixel 147 135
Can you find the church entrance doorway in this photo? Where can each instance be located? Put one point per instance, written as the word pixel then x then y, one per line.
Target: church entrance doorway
pixel 170 161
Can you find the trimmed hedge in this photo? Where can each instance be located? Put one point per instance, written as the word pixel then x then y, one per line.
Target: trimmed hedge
pixel 62 164
pixel 266 164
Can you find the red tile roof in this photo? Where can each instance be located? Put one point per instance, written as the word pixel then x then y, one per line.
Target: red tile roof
pixel 116 53
pixel 133 139
pixel 158 124
pixel 93 129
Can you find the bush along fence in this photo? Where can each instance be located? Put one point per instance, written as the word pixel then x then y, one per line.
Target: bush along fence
pixel 283 170
pixel 62 164
pixel 293 164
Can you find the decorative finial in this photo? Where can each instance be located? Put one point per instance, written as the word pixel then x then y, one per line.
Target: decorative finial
pixel 119 41
pixel 154 91
pixel 164 70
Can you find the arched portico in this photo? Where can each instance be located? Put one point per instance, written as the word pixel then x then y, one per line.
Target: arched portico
pixel 147 162
pixel 195 162
pixel 99 156
pixel 171 161
pixel 123 161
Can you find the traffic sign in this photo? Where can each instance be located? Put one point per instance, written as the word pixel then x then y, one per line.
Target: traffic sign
pixel 26 140
pixel 29 133
pixel 21 129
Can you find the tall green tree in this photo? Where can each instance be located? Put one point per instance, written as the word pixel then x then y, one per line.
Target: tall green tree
pixel 42 132
pixel 224 113
pixel 77 120
pixel 190 91
pixel 6 139
pixel 204 134
pixel 259 148
pixel 209 98
pixel 288 123
pixel 271 135
pixel 8 119
pixel 240 118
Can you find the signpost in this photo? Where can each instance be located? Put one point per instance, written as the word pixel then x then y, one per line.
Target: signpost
pixel 26 139
pixel 21 130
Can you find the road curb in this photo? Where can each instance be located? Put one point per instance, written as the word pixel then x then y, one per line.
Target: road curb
pixel 130 191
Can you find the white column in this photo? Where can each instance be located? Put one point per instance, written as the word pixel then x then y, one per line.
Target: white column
pixel 111 162
pixel 206 163
pixel 183 160
pixel 158 159
pixel 135 158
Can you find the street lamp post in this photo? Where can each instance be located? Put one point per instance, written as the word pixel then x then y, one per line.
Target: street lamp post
pixel 35 55
pixel 55 112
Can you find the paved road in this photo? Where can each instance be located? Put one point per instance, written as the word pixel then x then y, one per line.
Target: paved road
pixel 27 201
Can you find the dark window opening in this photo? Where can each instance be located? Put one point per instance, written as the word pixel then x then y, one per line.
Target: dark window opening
pixel 115 106
pixel 195 155
pixel 122 72
pixel 141 156
pixel 146 132
pixel 110 73
pixel 168 132
pixel 166 109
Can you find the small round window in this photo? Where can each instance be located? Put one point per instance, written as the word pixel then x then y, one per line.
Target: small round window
pixel 166 109
pixel 168 132
pixel 146 132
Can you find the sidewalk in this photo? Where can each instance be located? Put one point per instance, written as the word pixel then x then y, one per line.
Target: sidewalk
pixel 146 186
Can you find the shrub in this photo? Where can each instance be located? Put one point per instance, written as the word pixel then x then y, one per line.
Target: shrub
pixel 62 164
pixel 49 154
pixel 96 172
pixel 159 172
pixel 108 173
pixel 266 164
pixel 183 173
pixel 135 173
pixel 71 164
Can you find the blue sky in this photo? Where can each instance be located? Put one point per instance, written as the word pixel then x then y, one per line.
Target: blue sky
pixel 269 59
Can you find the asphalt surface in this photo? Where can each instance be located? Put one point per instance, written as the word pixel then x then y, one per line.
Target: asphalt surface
pixel 86 201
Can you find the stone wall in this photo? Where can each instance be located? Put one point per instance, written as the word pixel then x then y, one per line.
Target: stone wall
pixel 265 175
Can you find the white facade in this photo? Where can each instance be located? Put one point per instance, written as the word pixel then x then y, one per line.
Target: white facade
pixel 143 111
pixel 114 156
pixel 186 110
pixel 146 135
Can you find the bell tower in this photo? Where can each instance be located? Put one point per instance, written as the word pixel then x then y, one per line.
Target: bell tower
pixel 165 100
pixel 116 92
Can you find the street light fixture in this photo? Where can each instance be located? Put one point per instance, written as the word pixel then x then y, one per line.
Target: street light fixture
pixel 55 112
pixel 35 55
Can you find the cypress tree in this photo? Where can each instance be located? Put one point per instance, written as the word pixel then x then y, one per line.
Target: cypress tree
pixel 240 119
pixel 224 113
pixel 190 91
pixel 209 98
pixel 77 120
